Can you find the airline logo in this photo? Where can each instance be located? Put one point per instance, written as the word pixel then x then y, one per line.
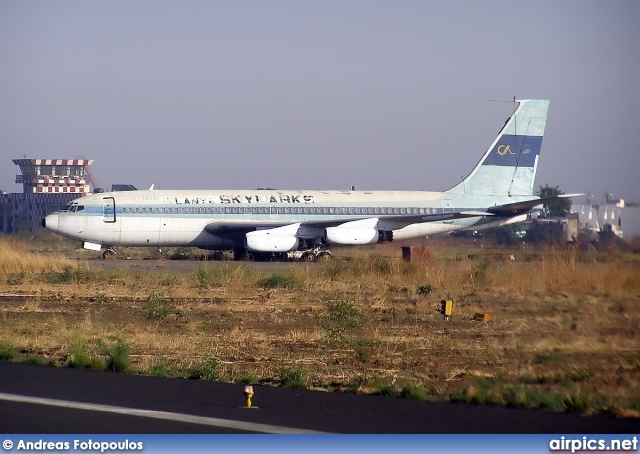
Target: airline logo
pixel 515 151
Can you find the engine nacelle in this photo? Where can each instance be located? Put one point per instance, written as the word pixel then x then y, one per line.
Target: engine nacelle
pixel 261 241
pixel 351 235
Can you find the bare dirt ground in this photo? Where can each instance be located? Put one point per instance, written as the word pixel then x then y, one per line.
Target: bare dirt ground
pixel 566 335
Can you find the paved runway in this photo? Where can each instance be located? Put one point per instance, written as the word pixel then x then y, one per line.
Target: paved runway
pixel 43 399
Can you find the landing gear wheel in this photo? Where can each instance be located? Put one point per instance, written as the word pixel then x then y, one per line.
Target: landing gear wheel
pixel 109 250
pixel 323 257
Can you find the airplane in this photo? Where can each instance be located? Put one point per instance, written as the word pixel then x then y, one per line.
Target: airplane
pixel 498 191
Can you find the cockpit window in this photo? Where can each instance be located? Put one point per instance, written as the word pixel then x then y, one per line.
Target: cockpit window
pixel 80 207
pixel 67 207
pixel 74 208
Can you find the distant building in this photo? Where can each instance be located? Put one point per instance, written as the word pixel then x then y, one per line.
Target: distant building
pixel 123 187
pixel 47 185
pixel 597 218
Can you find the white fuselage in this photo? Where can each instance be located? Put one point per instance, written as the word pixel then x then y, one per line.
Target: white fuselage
pixel 179 217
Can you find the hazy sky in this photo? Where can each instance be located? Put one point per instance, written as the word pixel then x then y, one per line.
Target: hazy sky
pixel 318 94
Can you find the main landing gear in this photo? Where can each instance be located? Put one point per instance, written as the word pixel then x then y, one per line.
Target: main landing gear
pixel 109 250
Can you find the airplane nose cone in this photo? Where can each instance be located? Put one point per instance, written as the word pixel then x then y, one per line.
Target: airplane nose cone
pixel 50 222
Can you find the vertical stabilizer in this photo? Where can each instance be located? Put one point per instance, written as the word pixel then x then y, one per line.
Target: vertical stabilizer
pixel 509 165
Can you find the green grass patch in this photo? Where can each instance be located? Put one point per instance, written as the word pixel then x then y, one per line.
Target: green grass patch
pixel 78 358
pixel 293 379
pixel 8 352
pixel 281 280
pixel 158 370
pixel 340 318
pixel 247 380
pixel 16 278
pixel 69 275
pixel 209 369
pixel 494 392
pixel 158 307
pixel 413 391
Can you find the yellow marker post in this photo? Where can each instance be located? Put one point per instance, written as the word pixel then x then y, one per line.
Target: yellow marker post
pixel 448 309
pixel 248 392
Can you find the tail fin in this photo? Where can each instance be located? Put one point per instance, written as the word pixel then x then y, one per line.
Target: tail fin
pixel 509 166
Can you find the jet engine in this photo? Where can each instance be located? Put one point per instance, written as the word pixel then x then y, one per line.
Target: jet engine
pixel 280 239
pixel 351 235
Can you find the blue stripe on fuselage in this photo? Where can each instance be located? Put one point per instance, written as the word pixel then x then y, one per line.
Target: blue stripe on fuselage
pixel 512 151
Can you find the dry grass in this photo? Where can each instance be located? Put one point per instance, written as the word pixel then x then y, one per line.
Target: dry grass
pixel 565 326
pixel 17 257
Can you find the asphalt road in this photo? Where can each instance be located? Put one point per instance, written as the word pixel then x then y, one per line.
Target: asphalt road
pixel 44 399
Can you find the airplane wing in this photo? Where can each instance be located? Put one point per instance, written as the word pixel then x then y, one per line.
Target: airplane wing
pixel 242 227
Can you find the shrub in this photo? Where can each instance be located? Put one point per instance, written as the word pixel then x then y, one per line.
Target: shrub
pixel 388 391
pixel 247 380
pixel 293 379
pixel 181 253
pixel 361 347
pixel 78 358
pixel 158 370
pixel 202 277
pixel 412 391
pixel 425 289
pixel 157 307
pixel 579 402
pixel 117 354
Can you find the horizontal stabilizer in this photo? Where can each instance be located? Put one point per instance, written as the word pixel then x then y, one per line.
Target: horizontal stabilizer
pixel 511 209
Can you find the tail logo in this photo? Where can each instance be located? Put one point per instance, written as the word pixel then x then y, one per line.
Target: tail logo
pixel 504 149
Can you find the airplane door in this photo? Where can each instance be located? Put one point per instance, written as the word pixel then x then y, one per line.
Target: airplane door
pixel 109 209
pixel 110 230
